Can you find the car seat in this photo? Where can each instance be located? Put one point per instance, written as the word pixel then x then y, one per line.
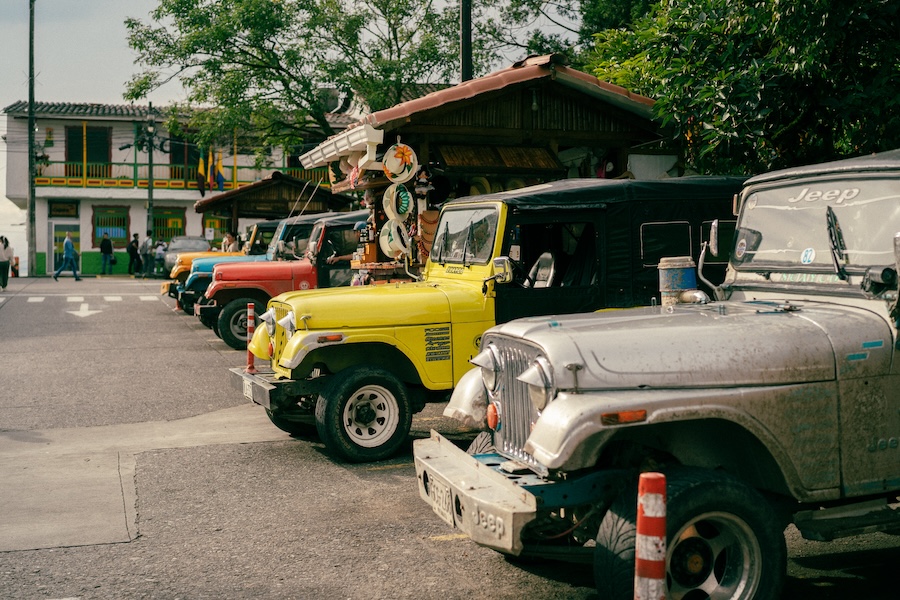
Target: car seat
pixel 542 272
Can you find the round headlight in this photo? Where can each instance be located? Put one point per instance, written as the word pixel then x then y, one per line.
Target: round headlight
pixel 268 318
pixel 289 323
pixel 539 379
pixel 489 362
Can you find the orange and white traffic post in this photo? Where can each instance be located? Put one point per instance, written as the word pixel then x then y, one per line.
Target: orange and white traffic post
pixel 251 320
pixel 650 542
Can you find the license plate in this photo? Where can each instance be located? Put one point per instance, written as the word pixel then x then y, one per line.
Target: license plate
pixel 441 499
pixel 248 389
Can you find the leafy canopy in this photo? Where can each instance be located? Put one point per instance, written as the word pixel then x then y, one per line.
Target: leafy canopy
pixel 746 87
pixel 271 66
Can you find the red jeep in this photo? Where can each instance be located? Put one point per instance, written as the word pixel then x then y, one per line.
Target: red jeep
pixel 234 285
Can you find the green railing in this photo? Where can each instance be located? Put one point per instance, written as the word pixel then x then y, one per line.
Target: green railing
pixel 172 177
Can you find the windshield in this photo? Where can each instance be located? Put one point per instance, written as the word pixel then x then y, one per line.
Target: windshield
pixel 465 235
pixel 828 224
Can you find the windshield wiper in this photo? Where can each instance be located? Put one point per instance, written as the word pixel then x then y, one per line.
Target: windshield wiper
pixel 836 239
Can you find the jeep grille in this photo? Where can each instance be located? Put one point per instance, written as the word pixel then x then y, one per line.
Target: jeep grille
pixel 281 311
pixel 517 413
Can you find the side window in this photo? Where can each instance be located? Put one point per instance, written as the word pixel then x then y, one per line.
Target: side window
pixel 660 240
pixel 560 254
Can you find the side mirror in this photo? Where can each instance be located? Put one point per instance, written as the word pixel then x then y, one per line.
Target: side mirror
pixel 714 238
pixel 279 247
pixel 503 272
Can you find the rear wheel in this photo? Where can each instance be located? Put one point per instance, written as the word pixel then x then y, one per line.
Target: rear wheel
pixel 723 541
pixel 232 323
pixel 364 415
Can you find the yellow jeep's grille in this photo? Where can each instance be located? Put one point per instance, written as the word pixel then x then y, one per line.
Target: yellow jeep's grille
pixel 281 311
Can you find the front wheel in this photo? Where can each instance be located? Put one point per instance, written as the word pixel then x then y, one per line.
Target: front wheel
pixel 722 541
pixel 232 323
pixel 364 415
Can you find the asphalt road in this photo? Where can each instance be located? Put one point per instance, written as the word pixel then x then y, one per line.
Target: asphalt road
pixel 130 469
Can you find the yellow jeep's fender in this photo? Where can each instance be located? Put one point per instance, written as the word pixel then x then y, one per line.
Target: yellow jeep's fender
pixel 436 327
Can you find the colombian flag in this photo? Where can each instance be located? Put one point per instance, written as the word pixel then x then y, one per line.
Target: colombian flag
pixel 220 175
pixel 201 177
pixel 212 170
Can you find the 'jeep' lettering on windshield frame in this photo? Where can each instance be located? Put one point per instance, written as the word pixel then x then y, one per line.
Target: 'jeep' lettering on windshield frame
pixel 454 271
pixel 839 196
pixel 437 343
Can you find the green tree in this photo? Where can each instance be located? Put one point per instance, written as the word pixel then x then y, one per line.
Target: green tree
pixel 271 66
pixel 748 87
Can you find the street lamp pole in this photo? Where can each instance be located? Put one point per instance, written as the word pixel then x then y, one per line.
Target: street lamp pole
pixel 149 137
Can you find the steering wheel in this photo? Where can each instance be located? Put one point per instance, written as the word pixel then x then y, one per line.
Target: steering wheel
pixel 526 282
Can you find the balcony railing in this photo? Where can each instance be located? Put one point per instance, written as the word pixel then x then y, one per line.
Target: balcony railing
pixel 171 177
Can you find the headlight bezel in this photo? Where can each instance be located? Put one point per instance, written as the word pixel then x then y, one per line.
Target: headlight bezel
pixel 538 378
pixel 490 361
pixel 289 323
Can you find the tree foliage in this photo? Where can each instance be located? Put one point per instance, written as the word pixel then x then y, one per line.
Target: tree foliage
pixel 748 87
pixel 271 66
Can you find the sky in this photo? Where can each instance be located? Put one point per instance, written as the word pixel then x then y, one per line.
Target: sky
pixel 80 55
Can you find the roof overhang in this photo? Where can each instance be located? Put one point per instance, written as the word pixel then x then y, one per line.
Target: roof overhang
pixel 363 140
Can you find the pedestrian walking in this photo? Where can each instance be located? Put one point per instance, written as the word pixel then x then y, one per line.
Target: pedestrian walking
pixel 134 258
pixel 69 258
pixel 6 258
pixel 106 254
pixel 160 256
pixel 147 257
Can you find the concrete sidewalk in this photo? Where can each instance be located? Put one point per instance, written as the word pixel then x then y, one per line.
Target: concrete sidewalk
pixel 75 487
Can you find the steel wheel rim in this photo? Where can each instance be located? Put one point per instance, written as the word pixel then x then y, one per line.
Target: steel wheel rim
pixel 371 416
pixel 716 554
pixel 238 324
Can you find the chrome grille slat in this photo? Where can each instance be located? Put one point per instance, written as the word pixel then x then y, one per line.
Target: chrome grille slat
pixel 517 412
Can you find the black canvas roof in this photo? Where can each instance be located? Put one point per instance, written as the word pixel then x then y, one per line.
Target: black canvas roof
pixel 596 193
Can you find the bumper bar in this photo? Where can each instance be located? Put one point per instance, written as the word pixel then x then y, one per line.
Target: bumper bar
pixel 472 495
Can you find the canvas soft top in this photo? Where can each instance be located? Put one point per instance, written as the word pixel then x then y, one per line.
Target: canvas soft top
pixel 597 193
pixel 883 161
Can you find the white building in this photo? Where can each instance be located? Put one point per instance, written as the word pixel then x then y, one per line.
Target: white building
pixel 93 175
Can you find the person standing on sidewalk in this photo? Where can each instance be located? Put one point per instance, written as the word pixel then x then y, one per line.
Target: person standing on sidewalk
pixel 69 258
pixel 6 258
pixel 134 259
pixel 147 254
pixel 106 252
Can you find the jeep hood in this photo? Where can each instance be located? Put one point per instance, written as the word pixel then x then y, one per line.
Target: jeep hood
pixel 724 344
pixel 205 265
pixel 279 270
pixel 387 305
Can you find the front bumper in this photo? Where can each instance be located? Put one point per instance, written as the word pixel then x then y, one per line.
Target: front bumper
pixel 207 311
pixel 188 297
pixel 170 288
pixel 473 495
pixel 266 389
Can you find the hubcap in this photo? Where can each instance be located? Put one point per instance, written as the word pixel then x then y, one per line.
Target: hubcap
pixel 371 416
pixel 715 556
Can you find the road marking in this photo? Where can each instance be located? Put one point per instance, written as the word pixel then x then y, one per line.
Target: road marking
pixel 83 311
pixel 35 298
pixel 75 299
pixel 113 298
pixel 147 298
pixel 2 299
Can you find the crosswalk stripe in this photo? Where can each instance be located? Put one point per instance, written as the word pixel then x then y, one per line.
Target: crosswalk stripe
pixel 75 299
pixel 113 298
pixel 35 298
pixel 148 298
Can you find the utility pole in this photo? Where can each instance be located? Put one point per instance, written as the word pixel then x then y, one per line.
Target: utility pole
pixel 32 267
pixel 465 40
pixel 150 138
